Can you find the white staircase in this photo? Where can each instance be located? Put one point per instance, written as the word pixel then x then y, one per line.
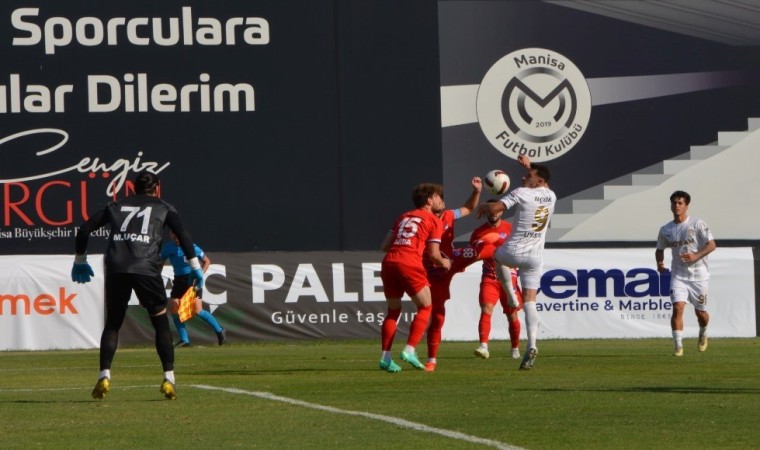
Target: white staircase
pixel 575 209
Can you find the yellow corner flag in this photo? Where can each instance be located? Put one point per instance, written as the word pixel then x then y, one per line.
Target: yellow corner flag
pixel 187 305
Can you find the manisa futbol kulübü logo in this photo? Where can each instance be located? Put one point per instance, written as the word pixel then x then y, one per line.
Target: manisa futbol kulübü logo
pixel 535 102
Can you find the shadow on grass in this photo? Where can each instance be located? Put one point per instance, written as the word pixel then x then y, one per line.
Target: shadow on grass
pixel 94 402
pixel 656 390
pixel 264 371
pixel 252 371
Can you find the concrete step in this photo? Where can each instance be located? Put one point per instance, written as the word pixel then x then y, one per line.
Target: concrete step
pixel 589 206
pixel 674 166
pixel 564 206
pixel 731 137
pixel 568 220
pixel 616 192
pixel 571 211
pixel 554 234
pixel 705 151
pixel 649 179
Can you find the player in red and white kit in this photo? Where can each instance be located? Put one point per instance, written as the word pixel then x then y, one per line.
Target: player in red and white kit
pixel 483 244
pixel 440 280
pixel 414 233
pixel 488 237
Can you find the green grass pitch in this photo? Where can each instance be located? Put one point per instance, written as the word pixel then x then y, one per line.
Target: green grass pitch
pixel 582 394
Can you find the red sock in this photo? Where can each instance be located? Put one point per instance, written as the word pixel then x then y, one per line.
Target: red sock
pixel 419 325
pixel 434 331
pixel 514 333
pixel 389 328
pixel 484 327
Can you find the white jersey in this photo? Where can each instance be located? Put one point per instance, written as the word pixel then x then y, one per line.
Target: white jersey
pixel 535 206
pixel 688 236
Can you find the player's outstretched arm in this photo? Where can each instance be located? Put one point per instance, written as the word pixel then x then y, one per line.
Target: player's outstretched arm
pixel 524 161
pixel 472 202
pixel 486 209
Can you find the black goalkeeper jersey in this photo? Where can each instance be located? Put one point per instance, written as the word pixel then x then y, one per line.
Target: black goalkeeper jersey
pixel 137 228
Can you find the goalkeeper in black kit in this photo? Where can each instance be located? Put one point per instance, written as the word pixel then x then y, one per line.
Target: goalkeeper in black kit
pixel 133 262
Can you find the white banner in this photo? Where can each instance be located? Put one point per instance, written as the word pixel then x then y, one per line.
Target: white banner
pixel 614 293
pixel 42 309
pixel 588 293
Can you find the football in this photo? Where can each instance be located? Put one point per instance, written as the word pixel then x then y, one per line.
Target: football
pixel 497 182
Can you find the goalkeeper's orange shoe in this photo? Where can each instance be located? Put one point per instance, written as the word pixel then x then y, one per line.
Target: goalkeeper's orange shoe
pixel 101 388
pixel 429 366
pixel 168 389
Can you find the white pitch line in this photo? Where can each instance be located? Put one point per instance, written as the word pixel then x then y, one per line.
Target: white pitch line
pixel 392 420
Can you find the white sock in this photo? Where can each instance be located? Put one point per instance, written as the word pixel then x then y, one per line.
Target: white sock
pixel 169 375
pixel 432 360
pixel 678 338
pixel 702 331
pixel 409 349
pixel 385 356
pixel 504 274
pixel 484 345
pixel 105 373
pixel 531 323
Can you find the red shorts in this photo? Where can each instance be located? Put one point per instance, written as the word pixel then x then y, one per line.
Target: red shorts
pixel 399 278
pixel 491 292
pixel 440 282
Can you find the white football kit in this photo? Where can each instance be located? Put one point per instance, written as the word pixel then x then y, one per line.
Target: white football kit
pixel 688 236
pixel 688 280
pixel 524 246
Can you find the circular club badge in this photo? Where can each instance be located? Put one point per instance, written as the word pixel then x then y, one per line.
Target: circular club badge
pixel 535 102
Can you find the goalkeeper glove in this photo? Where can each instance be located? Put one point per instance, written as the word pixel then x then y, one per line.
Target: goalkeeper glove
pixel 81 272
pixel 196 273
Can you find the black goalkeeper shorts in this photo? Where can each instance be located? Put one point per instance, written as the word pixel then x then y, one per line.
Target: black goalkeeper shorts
pixel 149 289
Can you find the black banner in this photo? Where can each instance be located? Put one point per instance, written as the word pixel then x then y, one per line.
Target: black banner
pixel 256 115
pixel 281 296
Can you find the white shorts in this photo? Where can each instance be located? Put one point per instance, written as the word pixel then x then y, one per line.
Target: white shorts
pixel 694 292
pixel 531 267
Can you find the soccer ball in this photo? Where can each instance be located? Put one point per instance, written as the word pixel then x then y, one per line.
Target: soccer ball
pixel 497 182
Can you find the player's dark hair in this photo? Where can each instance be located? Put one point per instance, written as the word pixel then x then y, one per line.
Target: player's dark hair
pixel 681 194
pixel 145 182
pixel 423 191
pixel 542 171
